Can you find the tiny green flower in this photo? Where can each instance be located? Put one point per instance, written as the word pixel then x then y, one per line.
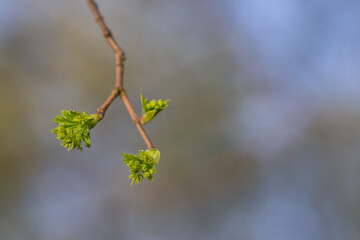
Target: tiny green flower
pixel 142 165
pixel 74 128
pixel 151 108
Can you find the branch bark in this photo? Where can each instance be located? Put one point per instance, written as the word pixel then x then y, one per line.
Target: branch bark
pixel 119 89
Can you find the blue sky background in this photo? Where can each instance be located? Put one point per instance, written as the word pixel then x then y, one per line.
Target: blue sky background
pixel 261 139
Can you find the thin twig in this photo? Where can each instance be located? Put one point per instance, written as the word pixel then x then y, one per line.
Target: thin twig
pixel 102 109
pixel 119 66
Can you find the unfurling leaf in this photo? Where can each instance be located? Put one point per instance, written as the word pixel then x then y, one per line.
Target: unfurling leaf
pixel 74 128
pixel 142 165
pixel 151 108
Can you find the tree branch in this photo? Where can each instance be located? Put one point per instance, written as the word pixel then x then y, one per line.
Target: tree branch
pixel 119 67
pixel 102 109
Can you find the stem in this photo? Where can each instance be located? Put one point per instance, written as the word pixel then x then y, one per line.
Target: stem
pixel 135 119
pixel 119 68
pixel 102 109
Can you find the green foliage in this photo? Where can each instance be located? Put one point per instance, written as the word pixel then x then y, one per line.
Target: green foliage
pixel 142 165
pixel 74 128
pixel 151 108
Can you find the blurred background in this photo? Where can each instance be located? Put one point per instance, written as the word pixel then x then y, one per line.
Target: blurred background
pixel 261 139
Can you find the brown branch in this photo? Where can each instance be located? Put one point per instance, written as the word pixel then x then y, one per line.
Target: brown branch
pixel 119 66
pixel 102 109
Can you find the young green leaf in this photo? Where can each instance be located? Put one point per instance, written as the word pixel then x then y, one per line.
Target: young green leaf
pixel 151 108
pixel 155 154
pixel 74 128
pixel 142 165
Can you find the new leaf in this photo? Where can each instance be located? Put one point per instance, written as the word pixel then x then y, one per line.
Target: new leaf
pixel 74 128
pixel 151 108
pixel 142 165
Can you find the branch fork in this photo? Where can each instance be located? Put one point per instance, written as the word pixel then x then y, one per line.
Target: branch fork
pixel 119 89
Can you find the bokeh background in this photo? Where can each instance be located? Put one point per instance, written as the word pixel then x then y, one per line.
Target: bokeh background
pixel 261 139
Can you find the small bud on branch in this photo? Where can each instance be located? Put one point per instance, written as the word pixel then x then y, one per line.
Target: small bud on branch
pixel 74 128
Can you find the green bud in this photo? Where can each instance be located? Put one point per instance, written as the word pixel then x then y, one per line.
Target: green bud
pixel 151 108
pixel 144 164
pixel 155 154
pixel 74 128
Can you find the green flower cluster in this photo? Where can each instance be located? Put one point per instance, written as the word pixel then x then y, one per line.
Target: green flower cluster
pixel 142 165
pixel 151 108
pixel 74 128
